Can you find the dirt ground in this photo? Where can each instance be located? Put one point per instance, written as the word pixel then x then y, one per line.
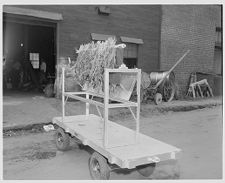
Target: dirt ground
pixel 22 109
pixel 31 155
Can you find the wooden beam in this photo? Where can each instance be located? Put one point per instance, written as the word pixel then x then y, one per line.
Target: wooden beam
pixel 138 105
pixel 127 104
pixel 123 70
pixel 63 92
pixel 33 13
pixel 100 37
pixel 84 99
pixel 87 105
pixel 131 40
pixel 106 109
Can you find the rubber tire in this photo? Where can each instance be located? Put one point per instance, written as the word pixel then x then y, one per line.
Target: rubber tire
pixel 158 98
pixel 103 165
pixel 146 170
pixel 64 145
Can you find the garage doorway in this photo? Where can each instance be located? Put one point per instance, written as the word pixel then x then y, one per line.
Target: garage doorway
pixel 29 53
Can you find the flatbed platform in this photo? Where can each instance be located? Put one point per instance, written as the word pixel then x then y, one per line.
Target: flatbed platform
pixel 123 151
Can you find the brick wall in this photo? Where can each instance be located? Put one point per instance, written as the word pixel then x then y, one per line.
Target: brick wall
pixel 136 21
pixel 187 27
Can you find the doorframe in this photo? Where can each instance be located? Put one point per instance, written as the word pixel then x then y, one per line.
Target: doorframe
pixel 28 20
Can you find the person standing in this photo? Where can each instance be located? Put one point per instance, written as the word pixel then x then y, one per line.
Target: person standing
pixel 43 68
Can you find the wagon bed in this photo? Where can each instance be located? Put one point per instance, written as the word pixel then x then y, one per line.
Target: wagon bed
pixel 123 151
pixel 113 144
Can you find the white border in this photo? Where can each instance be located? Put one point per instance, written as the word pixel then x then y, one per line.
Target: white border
pixel 42 2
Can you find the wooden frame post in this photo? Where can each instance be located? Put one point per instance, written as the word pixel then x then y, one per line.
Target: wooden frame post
pixel 106 109
pixel 87 105
pixel 138 106
pixel 63 90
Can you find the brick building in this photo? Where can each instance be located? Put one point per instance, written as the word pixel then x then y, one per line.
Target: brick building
pixel 155 35
pixel 198 28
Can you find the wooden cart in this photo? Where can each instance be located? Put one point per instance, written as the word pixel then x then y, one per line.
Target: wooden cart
pixel 114 144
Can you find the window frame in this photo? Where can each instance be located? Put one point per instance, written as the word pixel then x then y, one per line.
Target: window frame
pixel 218 41
pixel 131 44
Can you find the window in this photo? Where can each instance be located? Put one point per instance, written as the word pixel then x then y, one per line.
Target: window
pixel 218 42
pixel 34 59
pixel 218 64
pixel 130 55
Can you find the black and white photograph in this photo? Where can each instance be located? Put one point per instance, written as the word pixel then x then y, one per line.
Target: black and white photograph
pixel 112 91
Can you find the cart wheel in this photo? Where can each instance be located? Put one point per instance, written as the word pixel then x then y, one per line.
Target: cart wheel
pixel 98 167
pixel 62 140
pixel 146 170
pixel 168 90
pixel 158 98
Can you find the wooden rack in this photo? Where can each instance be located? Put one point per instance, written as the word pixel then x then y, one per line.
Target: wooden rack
pixel 87 97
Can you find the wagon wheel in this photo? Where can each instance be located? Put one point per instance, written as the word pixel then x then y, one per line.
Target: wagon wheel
pixel 168 90
pixel 146 170
pixel 62 140
pixel 142 95
pixel 158 98
pixel 133 97
pixel 98 167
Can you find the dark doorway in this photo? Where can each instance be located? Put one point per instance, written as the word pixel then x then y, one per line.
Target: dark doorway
pixel 20 43
pixel 130 62
pixel 41 40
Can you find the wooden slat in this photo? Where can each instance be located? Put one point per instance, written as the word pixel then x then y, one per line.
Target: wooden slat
pixel 123 150
pixel 123 70
pixel 87 105
pixel 84 99
pixel 63 94
pixel 106 109
pixel 127 104
pixel 76 93
pixel 138 105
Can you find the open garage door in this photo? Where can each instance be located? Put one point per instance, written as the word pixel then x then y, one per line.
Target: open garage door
pixel 29 52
